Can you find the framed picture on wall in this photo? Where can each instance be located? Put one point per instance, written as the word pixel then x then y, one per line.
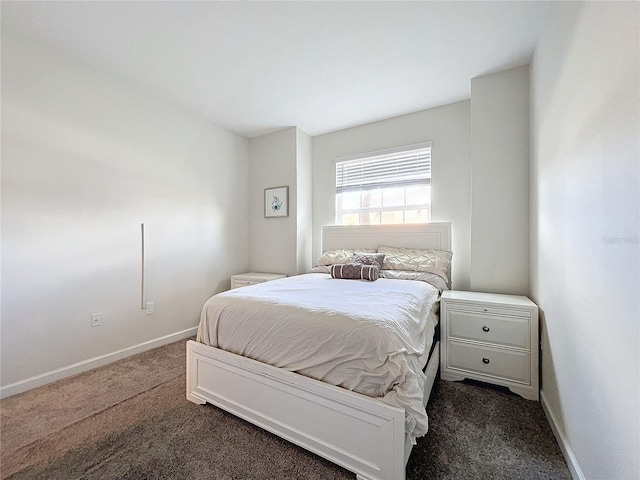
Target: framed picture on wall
pixel 276 202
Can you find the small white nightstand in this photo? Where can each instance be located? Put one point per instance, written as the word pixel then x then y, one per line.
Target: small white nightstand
pixel 492 338
pixel 251 278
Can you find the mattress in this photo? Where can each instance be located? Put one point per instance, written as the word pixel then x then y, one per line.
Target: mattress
pixel 369 337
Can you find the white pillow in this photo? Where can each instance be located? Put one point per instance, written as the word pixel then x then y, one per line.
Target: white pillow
pixel 321 269
pixel 342 255
pixel 416 260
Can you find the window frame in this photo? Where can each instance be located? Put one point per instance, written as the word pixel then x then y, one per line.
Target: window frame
pixel 339 212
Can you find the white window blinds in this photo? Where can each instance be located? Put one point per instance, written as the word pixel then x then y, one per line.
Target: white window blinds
pixel 391 186
pixel 408 167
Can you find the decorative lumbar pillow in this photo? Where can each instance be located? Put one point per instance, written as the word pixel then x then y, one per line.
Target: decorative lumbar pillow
pixel 431 261
pixel 376 259
pixel 355 271
pixel 342 255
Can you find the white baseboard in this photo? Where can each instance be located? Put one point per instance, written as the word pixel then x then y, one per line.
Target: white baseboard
pixel 572 462
pixel 60 373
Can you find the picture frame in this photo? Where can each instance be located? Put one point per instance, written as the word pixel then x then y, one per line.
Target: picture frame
pixel 276 202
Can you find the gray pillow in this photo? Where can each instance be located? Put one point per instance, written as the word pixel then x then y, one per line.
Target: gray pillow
pixel 376 259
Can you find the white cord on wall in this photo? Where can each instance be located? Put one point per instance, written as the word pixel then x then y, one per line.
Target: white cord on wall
pixel 142 293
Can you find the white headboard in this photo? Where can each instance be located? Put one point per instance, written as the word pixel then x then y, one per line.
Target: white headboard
pixel 425 235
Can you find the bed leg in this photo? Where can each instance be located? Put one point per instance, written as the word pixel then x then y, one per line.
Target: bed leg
pixel 196 399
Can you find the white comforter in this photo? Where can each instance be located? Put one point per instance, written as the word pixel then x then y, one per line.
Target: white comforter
pixel 369 337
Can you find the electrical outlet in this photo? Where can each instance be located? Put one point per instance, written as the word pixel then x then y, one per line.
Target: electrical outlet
pixel 151 308
pixel 96 319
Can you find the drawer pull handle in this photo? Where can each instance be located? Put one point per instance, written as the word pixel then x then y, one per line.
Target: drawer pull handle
pixel 485 309
pixel 485 360
pixel 485 329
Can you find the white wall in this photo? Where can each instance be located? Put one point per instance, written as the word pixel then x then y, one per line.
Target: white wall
pixel 585 229
pixel 448 128
pixel 85 160
pixel 281 245
pixel 304 185
pixel 500 182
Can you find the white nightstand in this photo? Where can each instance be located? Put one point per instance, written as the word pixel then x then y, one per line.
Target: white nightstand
pixel 251 278
pixel 492 338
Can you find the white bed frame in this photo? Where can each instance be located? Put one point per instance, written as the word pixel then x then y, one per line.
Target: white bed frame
pixel 357 432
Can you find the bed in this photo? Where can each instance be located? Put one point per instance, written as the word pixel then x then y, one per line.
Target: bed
pixel 369 436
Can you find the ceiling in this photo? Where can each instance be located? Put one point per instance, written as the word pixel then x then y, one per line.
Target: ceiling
pixel 256 67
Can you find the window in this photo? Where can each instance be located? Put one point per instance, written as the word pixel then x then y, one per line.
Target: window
pixel 385 187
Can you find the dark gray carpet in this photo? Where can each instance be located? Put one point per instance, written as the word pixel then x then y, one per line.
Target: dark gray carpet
pixel 476 432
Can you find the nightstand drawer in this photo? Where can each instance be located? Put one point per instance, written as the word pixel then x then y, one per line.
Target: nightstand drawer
pixel 508 364
pixel 486 327
pixel 253 278
pixel 489 309
pixel 243 283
